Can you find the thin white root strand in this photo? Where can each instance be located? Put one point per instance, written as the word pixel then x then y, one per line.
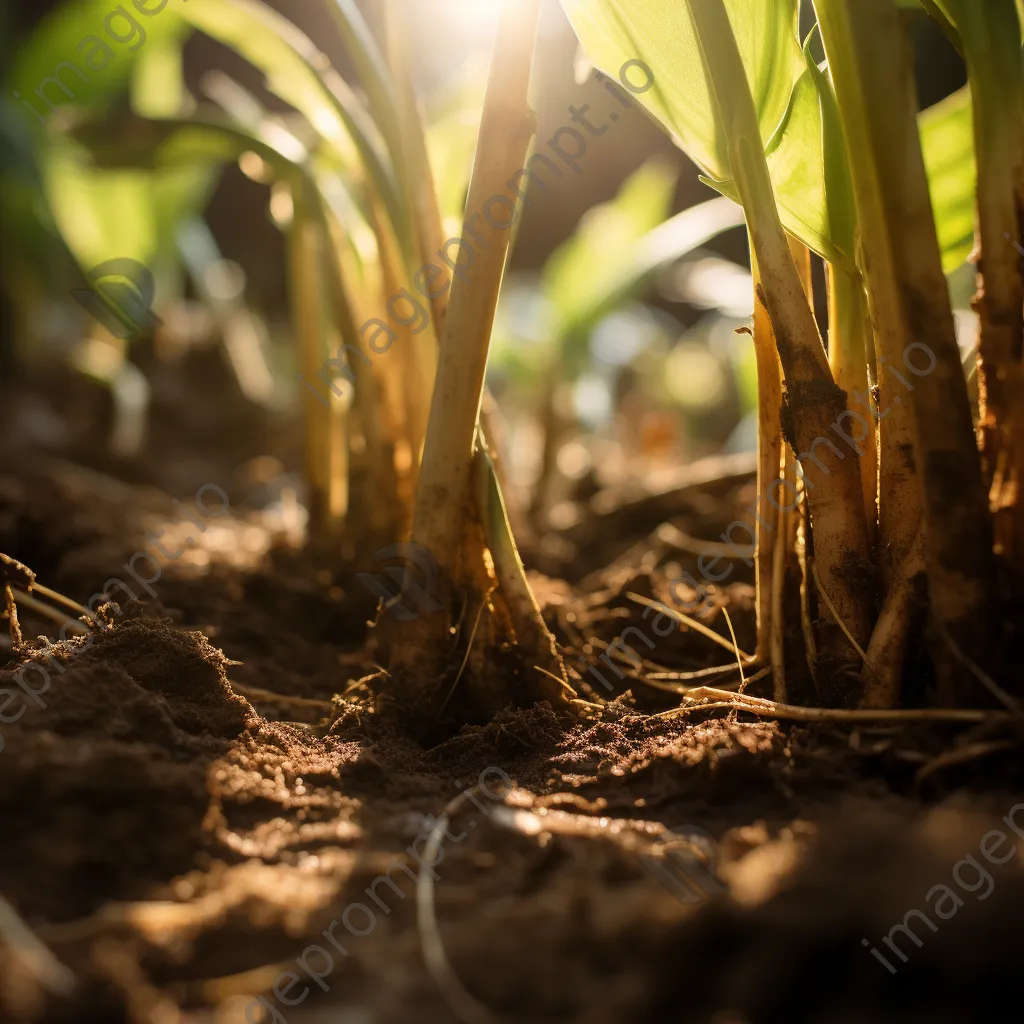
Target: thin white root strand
pixel 466 1007
pixel 736 647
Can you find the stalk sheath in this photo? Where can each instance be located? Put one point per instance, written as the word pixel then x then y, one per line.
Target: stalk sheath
pixel 813 402
pixel 870 62
pixel 444 507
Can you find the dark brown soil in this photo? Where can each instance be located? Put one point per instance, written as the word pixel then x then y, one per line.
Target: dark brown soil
pixel 181 840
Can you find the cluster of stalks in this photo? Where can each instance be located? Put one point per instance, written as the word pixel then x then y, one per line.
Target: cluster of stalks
pixel 392 320
pixel 899 538
pixel 907 526
pixel 423 405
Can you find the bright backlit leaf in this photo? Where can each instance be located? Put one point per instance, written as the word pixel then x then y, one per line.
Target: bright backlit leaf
pixel 947 138
pixel 659 33
pixel 298 72
pixel 785 96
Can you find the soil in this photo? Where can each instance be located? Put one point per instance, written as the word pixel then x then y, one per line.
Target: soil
pixel 195 806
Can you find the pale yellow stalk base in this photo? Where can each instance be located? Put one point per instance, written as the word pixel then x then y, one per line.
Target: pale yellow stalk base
pixel 444 502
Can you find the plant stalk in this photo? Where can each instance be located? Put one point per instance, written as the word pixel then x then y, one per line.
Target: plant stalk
pixel 769 463
pixel 849 338
pixel 813 402
pixel 992 47
pixel 872 70
pixel 305 265
pixel 443 495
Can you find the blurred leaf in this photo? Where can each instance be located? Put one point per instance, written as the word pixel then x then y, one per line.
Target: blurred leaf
pixel 620 244
pixel 373 73
pixel 678 236
pixel 158 79
pixel 128 214
pixel 299 74
pixel 79 32
pixel 744 362
pixel 169 143
pixel 452 130
pixel 947 138
pixel 97 50
pixel 25 221
pixel 588 273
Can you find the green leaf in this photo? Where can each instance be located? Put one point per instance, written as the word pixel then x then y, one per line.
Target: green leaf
pixel 373 72
pixel 840 205
pixel 618 246
pixel 947 138
pixel 134 143
pixel 587 273
pixel 660 34
pixel 786 98
pixel 131 214
pixel 79 30
pixel 299 74
pixel 158 79
pixel 452 127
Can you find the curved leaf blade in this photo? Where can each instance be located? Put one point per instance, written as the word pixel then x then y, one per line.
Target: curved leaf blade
pixel 785 90
pixel 661 35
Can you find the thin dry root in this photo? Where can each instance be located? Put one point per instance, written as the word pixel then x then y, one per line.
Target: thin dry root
pixel 772 709
pixel 269 697
pixel 823 594
pixel 962 755
pixel 979 673
pixel 33 953
pixel 18 580
pixel 694 624
pixel 736 647
pixel 12 618
pixel 53 614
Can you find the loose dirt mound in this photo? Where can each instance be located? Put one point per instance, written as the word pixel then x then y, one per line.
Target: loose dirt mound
pixel 177 849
